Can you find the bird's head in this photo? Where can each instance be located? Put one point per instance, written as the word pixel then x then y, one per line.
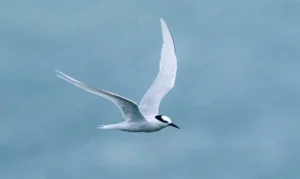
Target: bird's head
pixel 165 120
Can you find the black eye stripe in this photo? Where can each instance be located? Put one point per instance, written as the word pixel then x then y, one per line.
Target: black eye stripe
pixel 159 117
pixel 164 121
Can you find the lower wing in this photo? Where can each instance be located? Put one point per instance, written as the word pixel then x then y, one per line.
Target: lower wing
pixel 128 108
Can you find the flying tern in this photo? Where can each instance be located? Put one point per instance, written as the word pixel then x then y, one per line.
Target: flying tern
pixel 143 117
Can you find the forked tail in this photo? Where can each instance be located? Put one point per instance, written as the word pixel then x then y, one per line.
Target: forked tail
pixel 103 127
pixel 110 126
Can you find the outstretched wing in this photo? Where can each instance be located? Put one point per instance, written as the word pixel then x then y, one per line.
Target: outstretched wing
pixel 165 79
pixel 128 108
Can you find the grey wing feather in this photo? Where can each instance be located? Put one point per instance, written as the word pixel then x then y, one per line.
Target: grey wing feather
pixel 128 108
pixel 165 79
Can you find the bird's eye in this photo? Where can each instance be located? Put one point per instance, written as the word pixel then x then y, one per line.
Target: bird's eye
pixel 164 121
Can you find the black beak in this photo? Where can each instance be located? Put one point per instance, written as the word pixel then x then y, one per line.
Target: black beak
pixel 173 125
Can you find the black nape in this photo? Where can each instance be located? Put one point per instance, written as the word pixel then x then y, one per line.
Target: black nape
pixel 159 117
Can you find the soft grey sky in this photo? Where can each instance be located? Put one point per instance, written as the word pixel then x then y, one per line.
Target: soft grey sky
pixel 236 96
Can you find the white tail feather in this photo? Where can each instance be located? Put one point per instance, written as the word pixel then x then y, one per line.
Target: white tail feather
pixel 103 127
pixel 111 126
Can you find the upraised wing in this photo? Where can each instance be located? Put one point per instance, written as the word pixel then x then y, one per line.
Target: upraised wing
pixel 165 79
pixel 128 108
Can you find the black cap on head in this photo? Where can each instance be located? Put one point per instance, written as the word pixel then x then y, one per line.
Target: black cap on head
pixel 160 118
pixel 166 120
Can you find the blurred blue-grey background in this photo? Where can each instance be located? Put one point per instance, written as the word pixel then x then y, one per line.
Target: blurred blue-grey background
pixel 236 96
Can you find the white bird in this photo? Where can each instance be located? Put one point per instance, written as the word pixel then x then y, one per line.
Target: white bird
pixel 143 117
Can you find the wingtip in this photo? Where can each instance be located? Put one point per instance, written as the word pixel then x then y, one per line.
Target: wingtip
pixel 162 21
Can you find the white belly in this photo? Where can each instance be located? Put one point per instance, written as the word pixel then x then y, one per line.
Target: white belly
pixel 141 127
